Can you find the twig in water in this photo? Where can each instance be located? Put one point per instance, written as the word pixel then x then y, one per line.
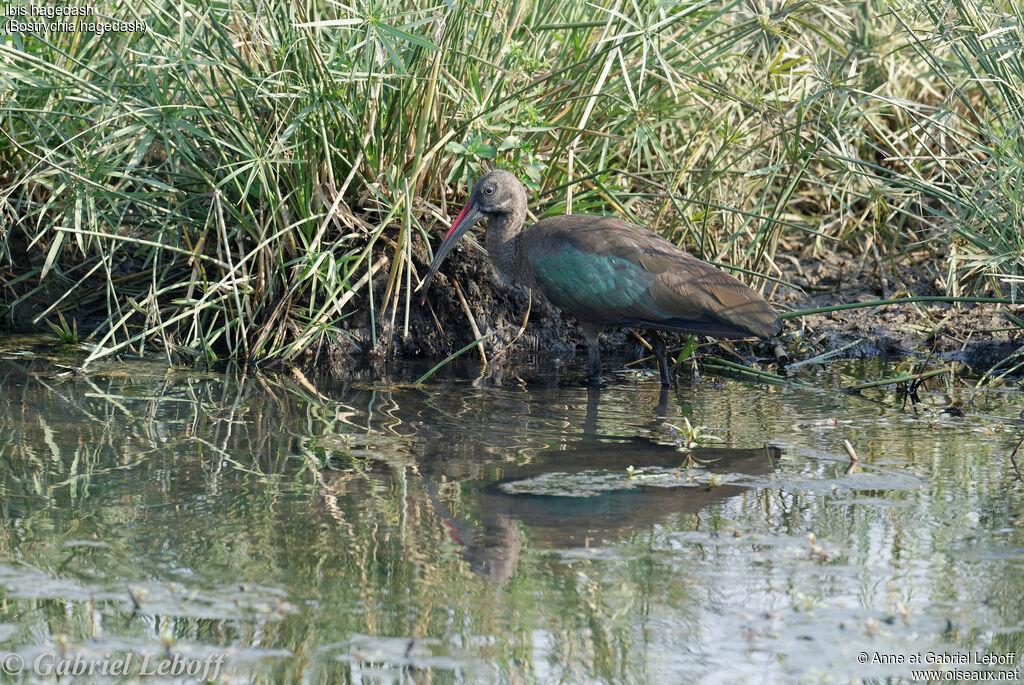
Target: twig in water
pixel 725 365
pixel 853 457
pixel 897 379
pixel 450 357
pixel 1013 459
pixel 301 379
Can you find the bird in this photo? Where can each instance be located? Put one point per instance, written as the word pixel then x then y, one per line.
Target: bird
pixel 607 272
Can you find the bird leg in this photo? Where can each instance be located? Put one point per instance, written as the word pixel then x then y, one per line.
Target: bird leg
pixel 658 345
pixel 593 403
pixel 592 334
pixel 661 411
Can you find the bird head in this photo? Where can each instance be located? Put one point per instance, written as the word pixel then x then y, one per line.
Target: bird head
pixel 496 192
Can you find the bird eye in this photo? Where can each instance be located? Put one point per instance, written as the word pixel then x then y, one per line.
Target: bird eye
pixel 489 190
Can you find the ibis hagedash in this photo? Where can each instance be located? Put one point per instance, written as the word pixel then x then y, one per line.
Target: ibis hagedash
pixel 607 272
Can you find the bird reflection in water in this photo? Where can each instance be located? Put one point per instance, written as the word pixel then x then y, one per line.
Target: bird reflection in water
pixel 492 548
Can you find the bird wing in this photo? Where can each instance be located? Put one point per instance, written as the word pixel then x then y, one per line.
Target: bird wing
pixel 613 272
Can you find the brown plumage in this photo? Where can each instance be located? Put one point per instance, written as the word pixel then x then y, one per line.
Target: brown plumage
pixel 608 272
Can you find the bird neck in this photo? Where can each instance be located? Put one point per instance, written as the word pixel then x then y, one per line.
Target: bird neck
pixel 503 231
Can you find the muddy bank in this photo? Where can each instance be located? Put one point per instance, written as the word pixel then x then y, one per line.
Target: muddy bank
pixel 499 309
pixel 980 335
pixel 977 334
pixel 441 324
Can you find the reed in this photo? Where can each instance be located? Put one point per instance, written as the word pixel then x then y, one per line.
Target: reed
pixel 232 182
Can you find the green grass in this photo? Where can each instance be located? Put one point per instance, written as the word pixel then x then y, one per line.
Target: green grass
pixel 227 183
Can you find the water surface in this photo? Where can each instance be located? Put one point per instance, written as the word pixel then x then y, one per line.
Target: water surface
pixel 505 529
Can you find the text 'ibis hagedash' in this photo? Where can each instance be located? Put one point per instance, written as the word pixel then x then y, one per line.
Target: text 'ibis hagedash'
pixel 608 272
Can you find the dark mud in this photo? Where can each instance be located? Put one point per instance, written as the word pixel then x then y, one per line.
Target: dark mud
pixel 979 335
pixel 441 326
pixel 962 332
